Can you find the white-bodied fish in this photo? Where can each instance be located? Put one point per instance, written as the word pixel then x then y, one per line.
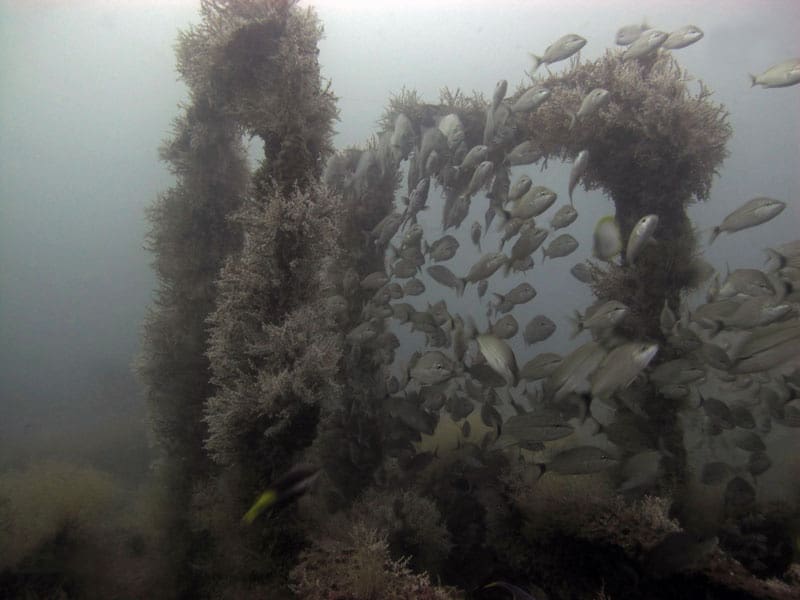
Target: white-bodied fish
pixel 564 217
pixel 641 233
pixel 537 200
pixel 562 48
pixel 582 461
pixel 591 103
pixel 577 171
pixel 607 238
pixel 621 366
pixel 453 129
pixel 499 93
pixel 627 34
pixel 432 368
pixel 499 356
pixel 751 213
pixel 783 74
pixel 645 44
pixel 680 38
pixel 475 234
pixel 563 245
pixel 599 318
pixel 519 188
pixel 530 99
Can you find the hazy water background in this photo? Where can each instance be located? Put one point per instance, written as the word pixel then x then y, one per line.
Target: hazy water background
pixel 88 91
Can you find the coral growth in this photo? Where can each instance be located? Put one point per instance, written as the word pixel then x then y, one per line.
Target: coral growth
pixel 359 567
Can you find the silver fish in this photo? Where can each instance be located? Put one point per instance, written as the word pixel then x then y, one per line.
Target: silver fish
pixel 581 461
pixel 374 281
pixel 627 34
pixel 645 44
pixel 519 294
pixel 563 245
pixel 475 234
pixel 384 231
pixel 607 238
pixel 783 74
pixel 751 213
pixel 404 268
pixel 621 366
pixel 543 426
pixel 453 130
pixel 578 169
pixel 413 287
pixel 402 136
pixel 487 265
pixel 445 276
pixel 564 217
pixel 562 48
pixel 601 317
pixel 572 373
pixel 640 470
pixel 499 357
pixel 499 93
pixel 479 178
pixel 530 99
pixel 529 240
pixel 745 282
pixel 582 272
pixel 362 333
pixel 591 103
pixel 510 228
pixel 682 37
pixel 506 327
pixel 432 368
pixel 641 233
pixel 525 153
pixel 520 188
pixel 538 329
pixel 475 156
pixel 432 140
pixel 442 249
pixel 402 311
pixel 540 366
pixel 537 200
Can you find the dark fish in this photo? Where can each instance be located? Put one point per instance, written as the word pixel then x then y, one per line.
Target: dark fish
pixel 739 497
pixel 679 551
pixel 715 473
pixel 582 460
pixel 538 329
pixel 544 426
pixel 758 463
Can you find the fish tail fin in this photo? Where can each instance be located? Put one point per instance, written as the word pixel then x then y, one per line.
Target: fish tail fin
pixel 778 257
pixel 537 60
pixel 577 325
pixel 506 267
pixel 544 253
pixel 426 249
pixel 716 327
pixel 470 329
pixel 461 284
pixel 573 118
pixel 479 246
pixel 714 233
pixel 752 79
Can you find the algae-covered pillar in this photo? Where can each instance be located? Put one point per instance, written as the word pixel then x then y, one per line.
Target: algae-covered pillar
pixel 654 148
